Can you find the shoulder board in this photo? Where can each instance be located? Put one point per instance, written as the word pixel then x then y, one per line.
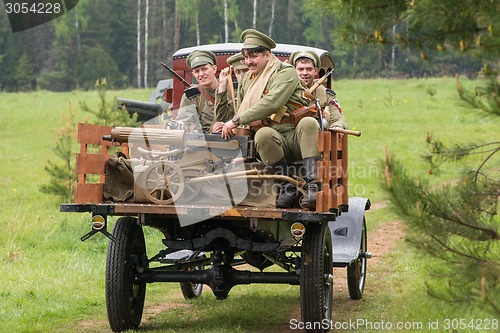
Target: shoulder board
pixel 330 91
pixel 191 92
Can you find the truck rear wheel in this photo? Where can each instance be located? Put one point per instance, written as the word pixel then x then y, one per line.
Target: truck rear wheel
pixel 316 277
pixel 192 290
pixel 356 270
pixel 126 257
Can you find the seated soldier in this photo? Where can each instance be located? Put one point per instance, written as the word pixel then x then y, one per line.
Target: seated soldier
pixel 306 64
pixel 267 94
pixel 196 111
pixel 224 104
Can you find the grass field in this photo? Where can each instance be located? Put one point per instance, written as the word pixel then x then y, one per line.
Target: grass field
pixel 51 281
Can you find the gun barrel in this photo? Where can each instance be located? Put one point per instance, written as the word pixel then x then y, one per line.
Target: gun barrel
pixel 140 135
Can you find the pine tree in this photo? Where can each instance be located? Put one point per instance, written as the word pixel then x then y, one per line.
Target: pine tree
pixel 107 113
pixel 457 223
pixel 62 175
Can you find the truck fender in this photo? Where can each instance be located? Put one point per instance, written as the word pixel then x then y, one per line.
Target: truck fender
pixel 346 231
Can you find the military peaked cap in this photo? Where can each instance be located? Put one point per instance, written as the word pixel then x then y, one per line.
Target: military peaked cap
pixel 200 58
pixel 252 38
pixel 304 54
pixel 237 61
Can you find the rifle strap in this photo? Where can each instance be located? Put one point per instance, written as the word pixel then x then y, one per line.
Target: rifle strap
pixel 206 94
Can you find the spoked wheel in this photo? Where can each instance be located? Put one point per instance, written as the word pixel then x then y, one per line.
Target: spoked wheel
pixel 316 276
pixel 164 182
pixel 126 257
pixel 356 270
pixel 190 190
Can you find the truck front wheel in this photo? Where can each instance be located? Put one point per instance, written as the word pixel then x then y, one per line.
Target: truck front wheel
pixel 126 257
pixel 316 277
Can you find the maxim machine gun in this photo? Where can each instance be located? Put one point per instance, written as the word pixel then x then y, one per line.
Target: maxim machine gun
pixel 171 166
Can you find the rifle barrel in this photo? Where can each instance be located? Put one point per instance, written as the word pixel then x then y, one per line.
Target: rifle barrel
pixel 177 76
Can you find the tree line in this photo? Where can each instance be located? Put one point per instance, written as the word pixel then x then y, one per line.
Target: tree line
pixel 125 40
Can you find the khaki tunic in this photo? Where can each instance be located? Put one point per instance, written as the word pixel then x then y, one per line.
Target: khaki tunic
pixel 283 86
pixel 224 109
pixel 196 113
pixel 282 141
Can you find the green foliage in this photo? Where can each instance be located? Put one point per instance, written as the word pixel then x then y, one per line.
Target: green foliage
pixel 62 175
pixel 107 113
pixel 24 77
pixel 485 96
pixel 99 38
pixel 458 224
pixel 94 63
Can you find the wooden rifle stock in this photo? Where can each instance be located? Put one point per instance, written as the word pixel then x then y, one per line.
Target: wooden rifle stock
pixel 344 131
pixel 320 81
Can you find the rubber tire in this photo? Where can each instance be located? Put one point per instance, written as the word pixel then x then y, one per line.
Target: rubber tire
pixel 316 276
pixel 356 271
pixel 124 296
pixel 191 290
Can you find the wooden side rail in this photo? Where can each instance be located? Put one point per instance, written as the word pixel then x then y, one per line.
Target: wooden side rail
pixel 332 172
pixel 89 162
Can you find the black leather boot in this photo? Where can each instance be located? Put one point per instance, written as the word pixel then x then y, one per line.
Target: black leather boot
pixel 312 185
pixel 288 194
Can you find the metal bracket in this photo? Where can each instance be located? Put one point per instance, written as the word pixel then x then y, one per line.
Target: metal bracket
pixel 98 225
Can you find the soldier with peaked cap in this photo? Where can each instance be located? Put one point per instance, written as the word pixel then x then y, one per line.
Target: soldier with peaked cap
pixel 268 91
pixel 224 109
pixel 196 111
pixel 306 64
pixel 237 62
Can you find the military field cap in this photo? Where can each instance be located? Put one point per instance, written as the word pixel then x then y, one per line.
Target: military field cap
pixel 237 61
pixel 252 38
pixel 199 58
pixel 304 54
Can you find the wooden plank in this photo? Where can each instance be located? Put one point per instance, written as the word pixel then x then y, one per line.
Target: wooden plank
pixel 92 134
pixel 88 193
pixel 345 156
pixel 90 163
pixel 183 210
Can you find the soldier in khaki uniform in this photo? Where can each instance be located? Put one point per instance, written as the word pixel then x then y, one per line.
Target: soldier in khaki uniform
pixel 224 109
pixel 306 64
pixel 237 62
pixel 268 91
pixel 196 111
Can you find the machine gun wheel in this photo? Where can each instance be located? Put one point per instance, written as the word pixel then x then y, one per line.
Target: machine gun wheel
pixel 316 274
pixel 164 182
pixel 125 259
pixel 191 190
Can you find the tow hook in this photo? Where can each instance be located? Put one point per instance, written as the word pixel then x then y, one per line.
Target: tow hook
pixel 98 225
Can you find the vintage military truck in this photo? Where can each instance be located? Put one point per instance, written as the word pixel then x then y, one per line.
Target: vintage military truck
pixel 213 202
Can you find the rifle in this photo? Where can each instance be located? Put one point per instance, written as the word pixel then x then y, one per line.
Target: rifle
pixel 177 76
pixel 320 81
pixel 189 85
